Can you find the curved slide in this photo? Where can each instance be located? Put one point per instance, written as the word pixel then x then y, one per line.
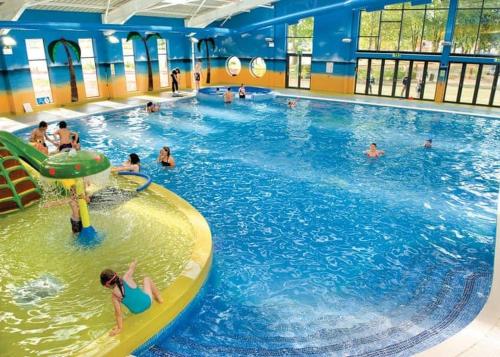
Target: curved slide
pixel 17 188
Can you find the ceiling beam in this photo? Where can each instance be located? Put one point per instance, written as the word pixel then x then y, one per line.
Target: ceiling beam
pixel 12 10
pixel 121 14
pixel 224 11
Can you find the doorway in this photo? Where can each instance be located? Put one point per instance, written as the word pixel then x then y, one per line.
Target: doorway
pixel 397 78
pixel 298 71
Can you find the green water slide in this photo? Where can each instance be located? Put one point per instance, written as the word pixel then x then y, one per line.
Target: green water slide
pixel 18 189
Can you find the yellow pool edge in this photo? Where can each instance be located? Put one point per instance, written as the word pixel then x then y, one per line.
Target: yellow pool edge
pixel 177 296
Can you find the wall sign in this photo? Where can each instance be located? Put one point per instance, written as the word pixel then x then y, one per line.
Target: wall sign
pixel 7 50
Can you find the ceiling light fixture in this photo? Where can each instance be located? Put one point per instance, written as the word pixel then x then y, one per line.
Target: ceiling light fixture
pixel 113 39
pixel 8 41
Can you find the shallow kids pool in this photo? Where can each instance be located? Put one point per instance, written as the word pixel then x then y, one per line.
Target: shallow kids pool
pixel 52 303
pixel 317 249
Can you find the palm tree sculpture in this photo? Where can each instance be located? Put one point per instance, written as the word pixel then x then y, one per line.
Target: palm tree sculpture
pixel 207 41
pixel 137 36
pixel 69 46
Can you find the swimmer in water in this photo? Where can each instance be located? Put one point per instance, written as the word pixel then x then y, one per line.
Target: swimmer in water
pixel 126 291
pixel 242 92
pixel 165 159
pixel 72 201
pixel 292 103
pixel 152 108
pixel 373 152
pixel 228 96
pixel 428 144
pixel 132 164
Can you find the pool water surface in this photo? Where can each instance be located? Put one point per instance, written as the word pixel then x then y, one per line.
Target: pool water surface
pixel 317 248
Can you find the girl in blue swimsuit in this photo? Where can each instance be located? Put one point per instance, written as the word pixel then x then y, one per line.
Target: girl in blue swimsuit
pixel 126 292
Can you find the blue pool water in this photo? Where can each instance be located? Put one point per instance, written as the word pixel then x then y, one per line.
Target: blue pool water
pixel 318 249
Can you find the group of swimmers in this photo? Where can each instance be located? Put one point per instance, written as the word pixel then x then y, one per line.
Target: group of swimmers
pixel 64 139
pixel 228 94
pixel 373 152
pixel 133 163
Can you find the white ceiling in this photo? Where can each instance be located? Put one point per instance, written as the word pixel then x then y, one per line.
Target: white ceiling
pixel 118 11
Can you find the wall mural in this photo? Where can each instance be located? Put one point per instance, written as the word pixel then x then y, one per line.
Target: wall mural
pixel 207 41
pixel 137 36
pixel 69 47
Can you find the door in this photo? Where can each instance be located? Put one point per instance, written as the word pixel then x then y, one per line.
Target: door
pixel 305 72
pixel 299 71
pixel 361 76
pixel 472 83
pixel 388 77
pixel 402 79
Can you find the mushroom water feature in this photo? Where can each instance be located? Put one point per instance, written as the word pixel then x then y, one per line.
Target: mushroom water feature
pixel 70 169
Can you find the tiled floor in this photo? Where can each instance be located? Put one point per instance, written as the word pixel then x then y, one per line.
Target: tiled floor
pixel 12 123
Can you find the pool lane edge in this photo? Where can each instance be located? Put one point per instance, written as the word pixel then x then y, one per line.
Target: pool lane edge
pixel 177 296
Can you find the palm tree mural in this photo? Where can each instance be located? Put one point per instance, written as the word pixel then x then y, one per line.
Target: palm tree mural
pixel 137 36
pixel 69 47
pixel 207 41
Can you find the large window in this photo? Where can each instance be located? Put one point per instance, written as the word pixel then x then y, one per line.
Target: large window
pixel 404 28
pixel 473 83
pixel 477 27
pixel 129 64
pixel 397 78
pixel 163 62
pixel 299 54
pixel 88 67
pixel 300 36
pixel 39 71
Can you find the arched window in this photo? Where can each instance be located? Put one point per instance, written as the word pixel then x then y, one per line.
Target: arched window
pixel 233 66
pixel 258 67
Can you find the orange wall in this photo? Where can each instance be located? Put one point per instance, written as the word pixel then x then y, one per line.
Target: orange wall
pixel 319 82
pixel 12 103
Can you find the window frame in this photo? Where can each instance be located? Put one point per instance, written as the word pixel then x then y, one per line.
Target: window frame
pixel 125 57
pixel 42 59
pixel 95 68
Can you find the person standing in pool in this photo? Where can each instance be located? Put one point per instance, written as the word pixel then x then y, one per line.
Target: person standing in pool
pixel 38 137
pixel 72 201
pixel 165 159
pixel 126 291
pixel 228 96
pixel 373 152
pixel 65 137
pixel 133 164
pixel 428 144
pixel 242 92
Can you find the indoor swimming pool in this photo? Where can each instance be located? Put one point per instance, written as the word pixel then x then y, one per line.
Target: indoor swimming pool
pixel 317 248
